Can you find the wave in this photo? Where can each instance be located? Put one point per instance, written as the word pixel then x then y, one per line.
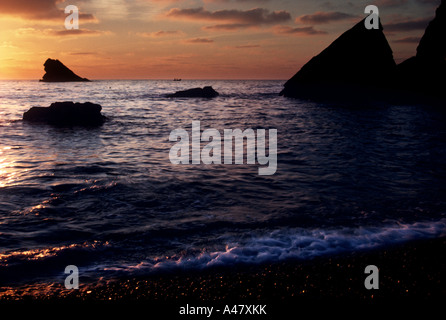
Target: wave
pixel 303 244
pixel 12 257
pixel 96 257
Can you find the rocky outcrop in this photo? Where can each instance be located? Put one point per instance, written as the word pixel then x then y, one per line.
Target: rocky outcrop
pixel 206 92
pixel 359 67
pixel 425 72
pixel 56 71
pixel 359 57
pixel 66 114
pixel 433 43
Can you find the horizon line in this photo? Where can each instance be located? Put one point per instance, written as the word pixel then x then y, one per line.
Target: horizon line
pixel 148 79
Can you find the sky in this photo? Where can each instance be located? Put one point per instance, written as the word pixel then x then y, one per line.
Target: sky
pixel 192 39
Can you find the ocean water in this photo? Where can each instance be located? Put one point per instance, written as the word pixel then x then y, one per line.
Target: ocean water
pixel 109 200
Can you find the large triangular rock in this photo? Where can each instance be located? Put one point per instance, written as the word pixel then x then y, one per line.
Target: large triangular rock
pixel 359 57
pixel 56 71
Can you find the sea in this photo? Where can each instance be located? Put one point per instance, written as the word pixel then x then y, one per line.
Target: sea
pixel 109 201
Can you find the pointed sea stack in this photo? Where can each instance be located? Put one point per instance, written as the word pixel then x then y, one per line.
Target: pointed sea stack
pixel 358 60
pixel 56 71
pixel 425 73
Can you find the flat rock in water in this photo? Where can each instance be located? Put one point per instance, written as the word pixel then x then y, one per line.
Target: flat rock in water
pixel 66 114
pixel 206 92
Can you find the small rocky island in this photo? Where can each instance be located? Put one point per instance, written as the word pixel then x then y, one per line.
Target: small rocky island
pixel 67 114
pixel 206 92
pixel 56 71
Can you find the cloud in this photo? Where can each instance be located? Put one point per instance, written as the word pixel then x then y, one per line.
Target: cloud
pixel 227 27
pixel 297 31
pixel 408 25
pixel 257 16
pixel 7 44
pixel 59 33
pixel 82 53
pixel 389 3
pixel 239 1
pixel 37 10
pixel 199 40
pixel 429 2
pixel 324 17
pixel 247 46
pixel 408 40
pixel 159 34
pixel 74 32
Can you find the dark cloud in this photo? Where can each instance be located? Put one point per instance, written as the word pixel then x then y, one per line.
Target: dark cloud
pixel 429 2
pixel 199 40
pixel 74 32
pixel 389 3
pixel 82 53
pixel 408 25
pixel 239 1
pixel 161 33
pixel 227 27
pixel 257 16
pixel 325 17
pixel 37 9
pixel 408 40
pixel 297 31
pixel 247 46
pixel 59 33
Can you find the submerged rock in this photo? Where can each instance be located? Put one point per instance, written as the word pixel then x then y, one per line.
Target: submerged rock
pixel 206 92
pixel 56 71
pixel 67 114
pixel 358 57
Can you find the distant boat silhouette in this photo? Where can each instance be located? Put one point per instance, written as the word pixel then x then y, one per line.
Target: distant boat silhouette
pixel 176 79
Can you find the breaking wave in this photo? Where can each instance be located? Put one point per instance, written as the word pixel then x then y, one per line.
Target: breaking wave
pixel 302 244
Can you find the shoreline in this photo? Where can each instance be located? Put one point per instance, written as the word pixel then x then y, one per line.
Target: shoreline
pixel 411 270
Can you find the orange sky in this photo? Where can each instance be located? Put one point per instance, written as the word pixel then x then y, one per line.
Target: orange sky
pixel 191 39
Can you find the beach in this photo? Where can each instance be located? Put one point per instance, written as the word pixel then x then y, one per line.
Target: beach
pixel 412 271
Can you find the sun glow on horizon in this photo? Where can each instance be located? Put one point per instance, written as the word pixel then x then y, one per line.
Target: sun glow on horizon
pixel 188 39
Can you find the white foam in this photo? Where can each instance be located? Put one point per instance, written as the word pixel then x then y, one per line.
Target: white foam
pixel 296 243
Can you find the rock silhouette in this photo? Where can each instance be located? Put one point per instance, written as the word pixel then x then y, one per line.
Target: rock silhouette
pixel 359 57
pixel 433 45
pixel 66 114
pixel 206 92
pixel 359 66
pixel 425 72
pixel 56 71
